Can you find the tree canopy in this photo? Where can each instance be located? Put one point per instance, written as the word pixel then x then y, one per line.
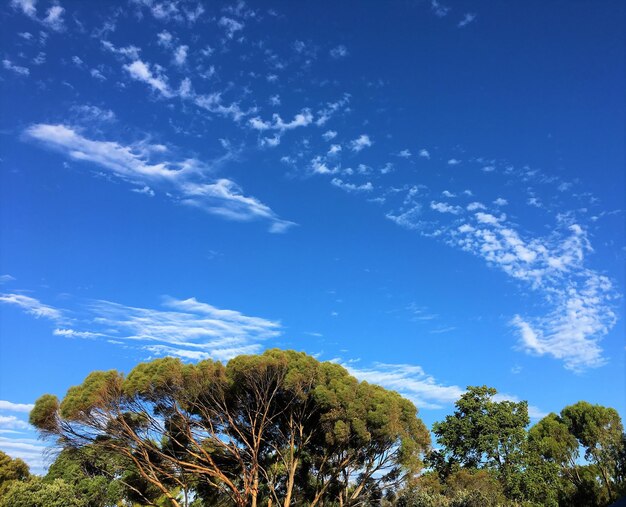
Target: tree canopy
pixel 282 428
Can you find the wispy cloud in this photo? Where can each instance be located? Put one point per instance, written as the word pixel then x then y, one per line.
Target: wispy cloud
pixel 18 69
pixel 186 328
pixel 53 19
pixel 302 119
pixel 339 52
pixel 230 26
pixel 31 306
pixel 361 142
pixel 404 153
pixel 185 179
pixel 439 9
pixel 352 187
pixel 30 450
pixel 141 71
pixel 423 389
pixel 582 299
pixel 467 19
pixel 410 381
pixel 15 407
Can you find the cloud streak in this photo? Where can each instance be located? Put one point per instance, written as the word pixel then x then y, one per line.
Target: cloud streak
pixel 185 179
pixel 185 328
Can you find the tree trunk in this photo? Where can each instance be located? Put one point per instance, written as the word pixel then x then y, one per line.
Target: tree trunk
pixel 290 482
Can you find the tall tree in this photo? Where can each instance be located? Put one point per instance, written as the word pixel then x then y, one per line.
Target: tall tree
pixel 12 469
pixel 599 431
pixel 483 433
pixel 276 428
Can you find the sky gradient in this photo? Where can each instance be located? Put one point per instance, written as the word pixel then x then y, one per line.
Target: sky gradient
pixel 430 193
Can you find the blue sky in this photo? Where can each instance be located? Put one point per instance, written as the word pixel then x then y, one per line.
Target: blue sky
pixel 428 192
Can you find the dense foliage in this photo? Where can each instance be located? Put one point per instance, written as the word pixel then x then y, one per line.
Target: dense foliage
pixel 282 428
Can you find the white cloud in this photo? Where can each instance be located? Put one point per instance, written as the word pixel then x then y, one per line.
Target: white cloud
pixel 13 423
pixel 487 218
pixel 186 328
pixel 424 153
pixel 95 73
pixel 334 149
pixel 213 103
pixel 131 52
pixel 224 198
pixel 467 19
pixel 180 55
pixel 141 71
pixel 319 166
pixel 16 407
pixel 572 332
pixel 189 328
pixel 351 187
pixel 409 219
pixel 184 178
pixel 72 333
pixel 31 305
pixel 54 18
pixel 443 207
pixel 500 202
pixel 411 381
pixel 18 69
pixel 339 52
pixel 473 206
pixel 454 161
pixel 447 193
pixel 439 9
pixel 363 141
pixel 581 299
pixel 145 190
pixel 90 114
pixel 230 26
pixel 26 6
pixel 331 108
pixel 274 100
pixel 165 38
pixel 302 119
pixel 329 135
pixel 405 154
pixel 40 58
pixel 30 450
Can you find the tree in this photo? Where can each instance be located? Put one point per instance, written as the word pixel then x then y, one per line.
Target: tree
pixel 555 472
pixel 599 430
pixel 36 492
pixel 483 433
pixel 280 428
pixel 12 470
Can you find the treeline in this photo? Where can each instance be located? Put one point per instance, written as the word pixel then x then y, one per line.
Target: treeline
pixel 283 429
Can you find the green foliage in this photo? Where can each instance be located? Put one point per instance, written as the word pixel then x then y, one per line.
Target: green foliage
pixel 98 390
pixel 280 424
pixel 38 493
pixel 44 415
pixel 12 470
pixel 483 433
pixel 286 429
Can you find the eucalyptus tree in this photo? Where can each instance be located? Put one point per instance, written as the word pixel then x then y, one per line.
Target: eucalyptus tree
pixel 277 428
